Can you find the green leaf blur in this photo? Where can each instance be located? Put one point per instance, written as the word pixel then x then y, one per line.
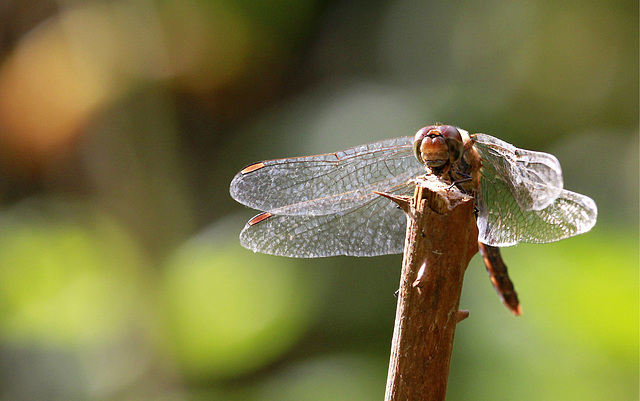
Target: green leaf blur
pixel 232 312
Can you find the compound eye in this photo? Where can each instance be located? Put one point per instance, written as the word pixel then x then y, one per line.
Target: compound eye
pixel 417 141
pixel 453 140
pixel 449 131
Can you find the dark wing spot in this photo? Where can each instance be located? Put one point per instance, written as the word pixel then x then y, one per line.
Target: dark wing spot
pixel 259 218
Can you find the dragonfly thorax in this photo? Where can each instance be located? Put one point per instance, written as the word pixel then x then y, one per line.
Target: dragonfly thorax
pixel 438 147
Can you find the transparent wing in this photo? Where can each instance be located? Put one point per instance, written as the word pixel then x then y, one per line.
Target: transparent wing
pixel 329 183
pixel 521 197
pixel 376 227
pixel 506 223
pixel 534 179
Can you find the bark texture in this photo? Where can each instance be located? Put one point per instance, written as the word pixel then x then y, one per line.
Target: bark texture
pixel 441 240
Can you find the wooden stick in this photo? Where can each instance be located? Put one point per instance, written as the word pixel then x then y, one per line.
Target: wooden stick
pixel 441 239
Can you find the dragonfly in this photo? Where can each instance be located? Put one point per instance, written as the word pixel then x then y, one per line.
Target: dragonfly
pixel 325 205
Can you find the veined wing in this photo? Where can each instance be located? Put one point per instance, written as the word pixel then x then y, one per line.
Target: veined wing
pixel 521 197
pixel 376 227
pixel 328 183
pixel 505 223
pixel 534 179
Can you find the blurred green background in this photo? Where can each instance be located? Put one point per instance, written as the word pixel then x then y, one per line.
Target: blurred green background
pixel 123 122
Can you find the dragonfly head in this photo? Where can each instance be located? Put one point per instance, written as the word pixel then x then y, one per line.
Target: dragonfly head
pixel 438 146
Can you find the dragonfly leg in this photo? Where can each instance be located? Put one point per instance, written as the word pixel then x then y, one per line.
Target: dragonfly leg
pixel 466 178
